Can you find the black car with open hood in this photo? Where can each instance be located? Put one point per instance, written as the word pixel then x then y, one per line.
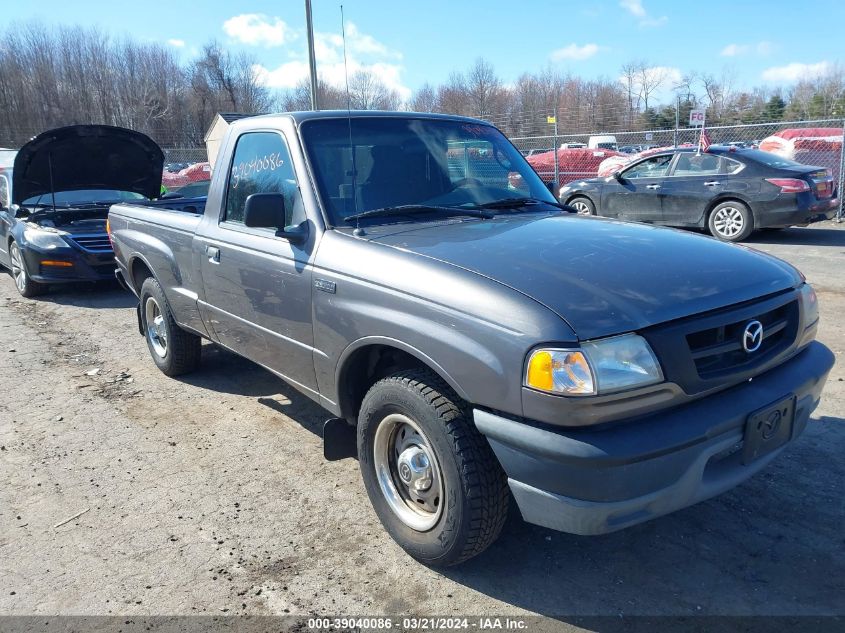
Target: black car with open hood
pixel 62 184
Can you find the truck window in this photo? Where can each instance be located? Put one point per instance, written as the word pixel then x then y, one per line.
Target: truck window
pixel 261 164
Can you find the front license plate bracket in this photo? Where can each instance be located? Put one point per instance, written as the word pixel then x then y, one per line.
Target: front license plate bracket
pixel 768 429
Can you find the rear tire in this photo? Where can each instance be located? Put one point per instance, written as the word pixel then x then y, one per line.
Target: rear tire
pixel 174 351
pixel 731 221
pixel 23 282
pixel 432 478
pixel 583 205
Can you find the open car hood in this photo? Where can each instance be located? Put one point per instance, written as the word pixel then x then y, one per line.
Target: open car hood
pixel 87 157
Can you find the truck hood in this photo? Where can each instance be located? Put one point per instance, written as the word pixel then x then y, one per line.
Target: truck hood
pixel 87 157
pixel 603 277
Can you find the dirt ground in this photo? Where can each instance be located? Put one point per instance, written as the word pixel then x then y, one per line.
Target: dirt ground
pixel 209 494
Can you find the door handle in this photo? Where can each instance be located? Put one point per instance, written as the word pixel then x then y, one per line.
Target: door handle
pixel 712 183
pixel 652 186
pixel 213 254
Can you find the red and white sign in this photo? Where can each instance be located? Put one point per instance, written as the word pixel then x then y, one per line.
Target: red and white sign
pixel 696 117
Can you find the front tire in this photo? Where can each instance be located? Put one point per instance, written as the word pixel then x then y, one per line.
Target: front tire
pixel 432 478
pixel 23 282
pixel 583 205
pixel 174 351
pixel 731 221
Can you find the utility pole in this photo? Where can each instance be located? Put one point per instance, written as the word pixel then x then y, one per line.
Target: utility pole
pixel 312 60
pixel 557 159
pixel 677 118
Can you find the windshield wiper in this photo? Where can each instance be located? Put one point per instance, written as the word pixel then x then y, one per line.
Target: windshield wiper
pixel 515 203
pixel 406 209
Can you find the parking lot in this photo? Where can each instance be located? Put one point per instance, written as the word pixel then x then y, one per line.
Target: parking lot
pixel 209 494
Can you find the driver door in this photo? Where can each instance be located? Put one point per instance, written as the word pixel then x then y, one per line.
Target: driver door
pixel 639 191
pixel 258 284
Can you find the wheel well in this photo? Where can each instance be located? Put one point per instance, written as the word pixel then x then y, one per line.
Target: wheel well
pixel 139 271
pixel 365 367
pixel 577 195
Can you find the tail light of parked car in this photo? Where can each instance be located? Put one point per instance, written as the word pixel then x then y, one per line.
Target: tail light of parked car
pixel 790 185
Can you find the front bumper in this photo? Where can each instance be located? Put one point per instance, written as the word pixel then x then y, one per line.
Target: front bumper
pixel 589 481
pixel 85 266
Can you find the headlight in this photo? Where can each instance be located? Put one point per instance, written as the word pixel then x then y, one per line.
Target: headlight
pixel 43 239
pixel 810 303
pixel 810 308
pixel 598 367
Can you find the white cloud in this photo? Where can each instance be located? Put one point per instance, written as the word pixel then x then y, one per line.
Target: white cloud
pixel 573 51
pixel 734 50
pixel 364 52
pixel 257 29
pixel 636 8
pixel 176 43
pixel 795 72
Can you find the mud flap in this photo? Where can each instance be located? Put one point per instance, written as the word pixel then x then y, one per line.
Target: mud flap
pixel 140 322
pixel 339 439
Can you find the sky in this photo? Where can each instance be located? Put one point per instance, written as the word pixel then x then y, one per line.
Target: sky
pixel 761 43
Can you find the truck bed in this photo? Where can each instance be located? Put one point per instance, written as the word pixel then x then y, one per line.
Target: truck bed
pixel 162 239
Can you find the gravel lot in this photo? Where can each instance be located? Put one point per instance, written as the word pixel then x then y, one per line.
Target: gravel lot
pixel 210 495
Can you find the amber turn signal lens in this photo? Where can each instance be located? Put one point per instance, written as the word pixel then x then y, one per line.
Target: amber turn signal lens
pixel 56 263
pixel 540 371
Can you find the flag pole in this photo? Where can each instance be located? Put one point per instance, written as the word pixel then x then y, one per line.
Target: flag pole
pixel 701 134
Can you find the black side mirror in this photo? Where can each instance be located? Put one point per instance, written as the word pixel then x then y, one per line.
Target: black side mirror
pixel 618 175
pixel 267 211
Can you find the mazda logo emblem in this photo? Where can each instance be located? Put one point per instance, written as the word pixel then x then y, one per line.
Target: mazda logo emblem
pixel 752 337
pixel 770 425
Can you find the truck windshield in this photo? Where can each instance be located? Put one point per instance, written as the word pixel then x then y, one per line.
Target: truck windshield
pixel 414 161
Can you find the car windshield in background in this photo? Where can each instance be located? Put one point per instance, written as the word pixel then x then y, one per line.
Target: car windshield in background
pixel 768 158
pixel 406 161
pixel 83 196
pixel 193 189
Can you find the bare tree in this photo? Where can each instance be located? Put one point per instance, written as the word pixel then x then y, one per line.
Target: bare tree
pixel 649 79
pixel 299 98
pixel 629 78
pixel 368 92
pixel 483 88
pixel 424 99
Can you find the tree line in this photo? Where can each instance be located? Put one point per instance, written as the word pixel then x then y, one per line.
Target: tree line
pixel 53 76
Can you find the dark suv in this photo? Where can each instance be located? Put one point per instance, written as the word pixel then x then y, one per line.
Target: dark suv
pixel 727 190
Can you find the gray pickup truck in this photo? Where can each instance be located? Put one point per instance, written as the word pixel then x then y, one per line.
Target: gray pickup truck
pixel 414 276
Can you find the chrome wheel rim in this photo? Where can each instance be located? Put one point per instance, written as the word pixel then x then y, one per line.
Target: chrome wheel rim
pixel 18 271
pixel 728 221
pixel 156 327
pixel 581 207
pixel 408 472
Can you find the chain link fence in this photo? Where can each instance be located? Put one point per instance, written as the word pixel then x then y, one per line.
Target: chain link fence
pixel 818 143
